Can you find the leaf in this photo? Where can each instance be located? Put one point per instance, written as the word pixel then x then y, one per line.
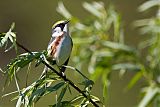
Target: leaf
pixel 20 62
pixel 69 89
pixel 10 93
pixel 9 35
pixel 134 80
pixel 147 5
pixel 61 96
pixel 94 8
pixel 63 11
pixel 8 49
pixel 92 67
pixel 19 102
pixel 22 100
pixel 4 39
pixel 149 95
pixel 77 99
pixel 97 73
pixel 105 89
pixel 12 26
pixel 64 104
pixel 2 71
pixel 126 66
pixel 45 90
pixel 95 99
pixel 117 46
pixel 78 40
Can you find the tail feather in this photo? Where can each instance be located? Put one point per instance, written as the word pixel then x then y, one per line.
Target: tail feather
pixel 64 68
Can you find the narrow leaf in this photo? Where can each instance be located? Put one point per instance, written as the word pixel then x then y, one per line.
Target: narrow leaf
pixel 93 8
pixel 133 81
pixel 61 96
pixel 147 5
pixel 77 99
pixel 151 92
pixel 118 46
pixel 46 90
pixel 63 11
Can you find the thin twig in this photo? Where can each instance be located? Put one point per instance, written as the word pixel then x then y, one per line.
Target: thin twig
pixel 61 75
pixel 75 69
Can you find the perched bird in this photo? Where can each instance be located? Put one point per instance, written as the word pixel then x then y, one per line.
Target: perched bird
pixel 60 45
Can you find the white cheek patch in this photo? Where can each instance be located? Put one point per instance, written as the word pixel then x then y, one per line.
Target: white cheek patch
pixel 58 29
pixel 57 32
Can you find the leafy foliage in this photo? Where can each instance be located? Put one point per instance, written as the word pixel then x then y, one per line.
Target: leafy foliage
pixel 100 40
pixel 99 47
pixel 49 83
pixel 151 65
pixel 6 37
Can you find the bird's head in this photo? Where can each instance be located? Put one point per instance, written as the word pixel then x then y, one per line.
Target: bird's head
pixel 60 26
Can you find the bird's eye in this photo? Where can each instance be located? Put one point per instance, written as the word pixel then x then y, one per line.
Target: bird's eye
pixel 61 25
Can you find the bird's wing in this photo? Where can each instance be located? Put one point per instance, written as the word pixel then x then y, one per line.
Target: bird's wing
pixel 64 68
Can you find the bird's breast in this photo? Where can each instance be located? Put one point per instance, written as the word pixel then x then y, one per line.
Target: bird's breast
pixel 60 48
pixel 56 43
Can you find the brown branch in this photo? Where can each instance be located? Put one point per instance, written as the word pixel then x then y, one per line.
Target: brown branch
pixel 61 75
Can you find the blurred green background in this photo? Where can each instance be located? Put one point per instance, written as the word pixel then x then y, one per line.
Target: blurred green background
pixel 33 26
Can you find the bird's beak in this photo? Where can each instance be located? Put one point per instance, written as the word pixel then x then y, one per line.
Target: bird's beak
pixel 66 29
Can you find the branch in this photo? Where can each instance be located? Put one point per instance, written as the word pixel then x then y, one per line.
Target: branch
pixel 61 75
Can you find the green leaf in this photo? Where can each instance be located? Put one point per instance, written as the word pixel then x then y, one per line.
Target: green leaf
pixel 10 93
pixel 63 11
pixel 79 40
pixel 94 8
pixel 9 35
pixel 64 104
pixel 45 90
pixel 147 5
pixel 4 39
pixel 61 96
pixel 134 80
pixel 105 89
pixel 69 89
pixel 117 46
pixel 149 95
pixel 2 71
pixel 95 99
pixel 8 49
pixel 92 67
pixel 12 26
pixel 97 73
pixel 126 66
pixel 20 62
pixel 22 100
pixel 77 99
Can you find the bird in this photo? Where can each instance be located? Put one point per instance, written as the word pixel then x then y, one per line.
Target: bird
pixel 60 46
